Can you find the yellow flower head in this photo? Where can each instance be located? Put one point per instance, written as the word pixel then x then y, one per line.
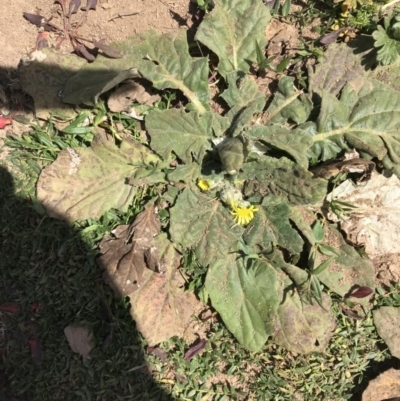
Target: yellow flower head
pixel 204 185
pixel 243 214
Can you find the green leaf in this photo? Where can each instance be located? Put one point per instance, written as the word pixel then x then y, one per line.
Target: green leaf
pixel 349 269
pixel 328 250
pixel 367 118
pixel 282 177
pixel 188 135
pixel 232 30
pixel 386 320
pixel 271 226
pixel 45 80
pixel 204 224
pixel 288 104
pixel 323 266
pixel 318 230
pixel 245 100
pixel 187 173
pixel 300 327
pixel 85 182
pixel 390 48
pixel 245 297
pixel 162 59
pixel 295 143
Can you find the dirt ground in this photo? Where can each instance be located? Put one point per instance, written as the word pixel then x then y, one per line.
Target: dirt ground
pixel 18 36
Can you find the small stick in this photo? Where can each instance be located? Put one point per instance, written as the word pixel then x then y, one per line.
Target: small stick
pixel 123 14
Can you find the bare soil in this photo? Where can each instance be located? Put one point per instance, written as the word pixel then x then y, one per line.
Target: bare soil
pixel 19 36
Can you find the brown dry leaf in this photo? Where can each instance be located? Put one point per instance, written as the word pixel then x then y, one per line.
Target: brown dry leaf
pixel 79 339
pixel 128 253
pixel 385 387
pixel 374 221
pixel 161 307
pixel 122 98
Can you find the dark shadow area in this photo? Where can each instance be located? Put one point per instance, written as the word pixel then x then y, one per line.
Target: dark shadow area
pixel 49 280
pixel 373 371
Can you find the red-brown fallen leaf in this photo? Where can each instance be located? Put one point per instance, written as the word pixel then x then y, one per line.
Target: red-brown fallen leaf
pixel 195 349
pixel 11 307
pixel 361 292
pixel 74 6
pixel 90 5
pixel 36 351
pixel 158 352
pixel 35 307
pixel 35 19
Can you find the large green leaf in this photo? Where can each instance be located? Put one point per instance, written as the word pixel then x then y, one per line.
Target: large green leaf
pixel 267 175
pixel 203 224
pixel 299 327
pixel 85 182
pixel 295 143
pixel 349 270
pixel 232 30
pixel 271 226
pixel 188 135
pixel 162 59
pixel 246 298
pixel 288 104
pixel 245 100
pixel 367 118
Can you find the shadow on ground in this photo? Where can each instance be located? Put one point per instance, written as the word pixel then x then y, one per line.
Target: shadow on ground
pixel 48 271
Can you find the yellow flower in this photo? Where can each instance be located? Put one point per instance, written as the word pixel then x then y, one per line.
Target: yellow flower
pixel 243 214
pixel 204 185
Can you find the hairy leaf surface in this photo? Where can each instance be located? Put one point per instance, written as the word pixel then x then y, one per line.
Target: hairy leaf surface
pixel 338 66
pixel 188 135
pixel 164 60
pixel 271 226
pixel 349 269
pixel 203 224
pixel 367 118
pixel 245 100
pixel 288 104
pixel 161 307
pixel 246 298
pixel 232 30
pixel 295 143
pixel 282 177
pixel 301 327
pixel 85 182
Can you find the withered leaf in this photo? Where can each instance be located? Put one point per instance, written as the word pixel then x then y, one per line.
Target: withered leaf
pixel 361 292
pixel 90 5
pixel 35 19
pixel 332 37
pixel 195 349
pixel 107 49
pixel 82 50
pixel 36 351
pixel 61 3
pixel 74 6
pixel 158 352
pixel 122 98
pixel 79 339
pixel 161 307
pixel 123 255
